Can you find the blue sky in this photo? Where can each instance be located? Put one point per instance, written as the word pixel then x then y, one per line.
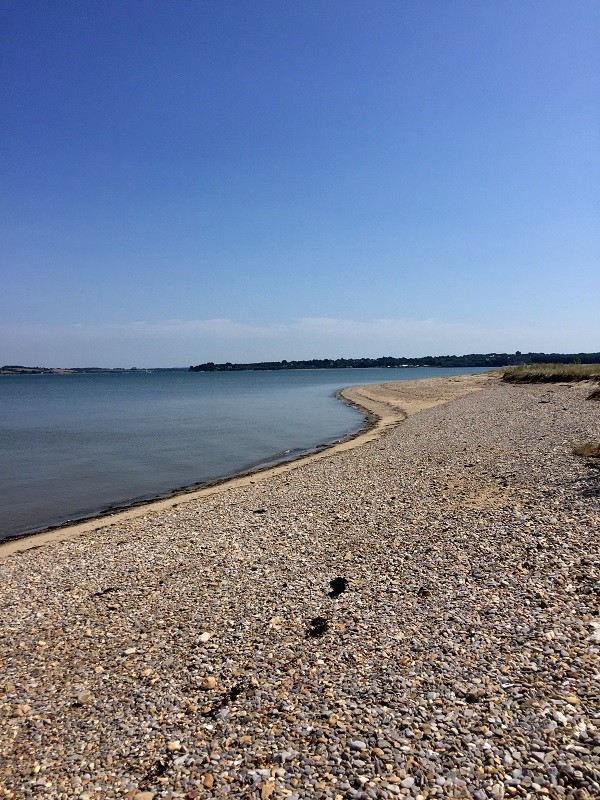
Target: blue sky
pixel 192 181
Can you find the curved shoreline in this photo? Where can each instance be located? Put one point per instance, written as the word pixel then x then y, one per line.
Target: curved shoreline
pixel 207 650
pixel 382 404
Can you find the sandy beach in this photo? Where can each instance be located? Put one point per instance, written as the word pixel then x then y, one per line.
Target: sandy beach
pixel 411 613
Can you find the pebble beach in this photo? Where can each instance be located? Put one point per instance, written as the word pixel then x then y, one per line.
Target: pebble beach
pixel 414 614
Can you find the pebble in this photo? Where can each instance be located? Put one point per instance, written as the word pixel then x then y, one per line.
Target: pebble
pixel 356 744
pixel 459 662
pixel 84 697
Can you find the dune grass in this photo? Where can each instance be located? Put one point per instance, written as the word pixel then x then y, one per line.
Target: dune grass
pixel 587 450
pixel 552 373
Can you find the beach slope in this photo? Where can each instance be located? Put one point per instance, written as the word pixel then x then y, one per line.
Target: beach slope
pixel 413 614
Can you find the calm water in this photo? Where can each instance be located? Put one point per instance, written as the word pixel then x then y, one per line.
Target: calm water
pixel 74 445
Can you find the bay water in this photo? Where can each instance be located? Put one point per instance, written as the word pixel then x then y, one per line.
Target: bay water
pixel 72 446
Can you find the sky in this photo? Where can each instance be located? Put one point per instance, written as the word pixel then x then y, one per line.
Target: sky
pixel 224 180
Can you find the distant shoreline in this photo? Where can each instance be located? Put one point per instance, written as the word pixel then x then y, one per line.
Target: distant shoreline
pixel 475 360
pixel 18 370
pixel 470 361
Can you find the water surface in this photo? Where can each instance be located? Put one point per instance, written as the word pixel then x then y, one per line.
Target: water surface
pixel 73 445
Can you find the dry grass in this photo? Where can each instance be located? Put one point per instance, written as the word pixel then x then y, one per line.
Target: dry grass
pixel 588 450
pixel 552 373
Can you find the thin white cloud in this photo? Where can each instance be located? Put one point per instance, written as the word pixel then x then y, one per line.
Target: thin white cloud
pixel 182 342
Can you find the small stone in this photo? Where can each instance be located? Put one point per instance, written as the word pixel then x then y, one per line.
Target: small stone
pixel 129 651
pixel 204 637
pixel 144 796
pixel 209 682
pixel 208 781
pixel 173 746
pixel 407 782
pixel 356 744
pixel 475 694
pixel 267 790
pixel 84 697
pixel 338 585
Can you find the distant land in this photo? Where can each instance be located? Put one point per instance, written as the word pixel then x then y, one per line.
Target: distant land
pixel 18 369
pixel 471 360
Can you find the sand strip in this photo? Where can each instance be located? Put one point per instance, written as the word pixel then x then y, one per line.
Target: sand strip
pixel 384 404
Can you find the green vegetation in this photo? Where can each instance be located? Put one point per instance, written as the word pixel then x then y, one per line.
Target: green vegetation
pixel 552 373
pixel 471 360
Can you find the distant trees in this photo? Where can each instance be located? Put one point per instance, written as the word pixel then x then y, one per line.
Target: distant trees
pixel 470 360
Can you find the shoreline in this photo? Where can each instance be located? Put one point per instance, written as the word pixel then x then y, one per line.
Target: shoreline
pixel 379 416
pixel 415 617
pixel 193 491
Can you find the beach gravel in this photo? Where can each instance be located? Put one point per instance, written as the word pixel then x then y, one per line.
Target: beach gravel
pixel 417 617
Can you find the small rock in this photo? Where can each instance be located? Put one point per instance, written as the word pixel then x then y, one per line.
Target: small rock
pixel 475 694
pixel 572 699
pixel 204 637
pixel 318 626
pixel 338 585
pixel 173 746
pixel 209 682
pixel 267 790
pixel 357 744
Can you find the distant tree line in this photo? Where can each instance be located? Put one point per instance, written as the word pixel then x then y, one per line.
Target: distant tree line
pixel 471 360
